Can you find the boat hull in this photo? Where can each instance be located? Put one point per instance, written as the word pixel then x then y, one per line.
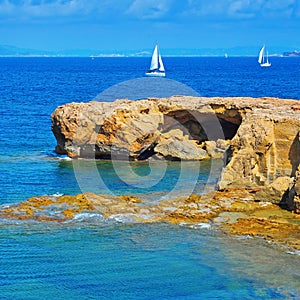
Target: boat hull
pixel 156 74
pixel 265 65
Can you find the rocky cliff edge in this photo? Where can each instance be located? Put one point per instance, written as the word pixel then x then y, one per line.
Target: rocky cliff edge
pixel 258 138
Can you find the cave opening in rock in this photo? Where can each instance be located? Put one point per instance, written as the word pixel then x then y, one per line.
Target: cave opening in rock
pixel 229 129
pixel 180 135
pixel 203 126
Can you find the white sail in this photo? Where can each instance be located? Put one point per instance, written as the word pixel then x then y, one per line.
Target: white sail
pixel 261 55
pixel 161 65
pixel 156 67
pixel 263 61
pixel 154 60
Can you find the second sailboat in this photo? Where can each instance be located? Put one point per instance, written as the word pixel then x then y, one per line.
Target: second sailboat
pixel 262 60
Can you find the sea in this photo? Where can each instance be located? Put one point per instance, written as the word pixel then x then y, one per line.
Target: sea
pixel 94 258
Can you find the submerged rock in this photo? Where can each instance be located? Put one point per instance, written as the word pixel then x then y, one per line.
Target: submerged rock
pixel 234 211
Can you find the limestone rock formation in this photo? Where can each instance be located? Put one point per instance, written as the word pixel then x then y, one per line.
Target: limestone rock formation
pixel 260 137
pixel 134 129
pixel 216 149
pixel 265 152
pixel 264 148
pixel 174 145
pixel 291 197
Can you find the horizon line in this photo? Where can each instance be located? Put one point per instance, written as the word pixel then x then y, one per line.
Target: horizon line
pixel 130 56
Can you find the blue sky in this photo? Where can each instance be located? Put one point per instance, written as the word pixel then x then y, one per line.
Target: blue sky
pixel 136 24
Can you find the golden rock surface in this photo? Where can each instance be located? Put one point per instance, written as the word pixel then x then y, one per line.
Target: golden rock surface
pixel 234 211
pixel 258 137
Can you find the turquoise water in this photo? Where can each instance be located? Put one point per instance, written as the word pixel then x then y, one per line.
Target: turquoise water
pixel 96 260
pixel 92 258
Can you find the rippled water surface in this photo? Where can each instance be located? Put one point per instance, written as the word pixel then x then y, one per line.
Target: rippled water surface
pixel 104 261
pixel 91 258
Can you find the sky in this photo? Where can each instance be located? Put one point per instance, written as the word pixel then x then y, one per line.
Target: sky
pixel 114 25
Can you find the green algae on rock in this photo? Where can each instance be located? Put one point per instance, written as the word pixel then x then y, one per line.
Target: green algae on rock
pixel 234 211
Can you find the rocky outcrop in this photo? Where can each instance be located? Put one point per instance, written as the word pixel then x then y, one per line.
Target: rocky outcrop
pixel 173 128
pixel 174 145
pixel 265 152
pixel 260 137
pixel 234 211
pixel 265 147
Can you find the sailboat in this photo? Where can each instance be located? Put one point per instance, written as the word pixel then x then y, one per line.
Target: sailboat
pixel 157 67
pixel 262 59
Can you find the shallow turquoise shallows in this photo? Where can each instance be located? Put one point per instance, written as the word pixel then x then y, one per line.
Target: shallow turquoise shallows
pixel 119 261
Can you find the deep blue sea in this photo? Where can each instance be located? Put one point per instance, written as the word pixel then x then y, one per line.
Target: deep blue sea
pixel 93 259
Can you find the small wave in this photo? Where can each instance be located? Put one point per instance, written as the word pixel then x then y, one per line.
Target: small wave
pixel 197 226
pixel 54 155
pixel 244 237
pixel 121 218
pixel 203 226
pixel 295 252
pixel 87 216
pixel 65 157
pixel 57 194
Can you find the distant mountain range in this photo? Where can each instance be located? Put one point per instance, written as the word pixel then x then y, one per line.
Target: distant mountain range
pixel 7 50
pixel 294 53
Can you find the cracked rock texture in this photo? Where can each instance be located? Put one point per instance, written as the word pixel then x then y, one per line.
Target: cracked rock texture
pixel 257 137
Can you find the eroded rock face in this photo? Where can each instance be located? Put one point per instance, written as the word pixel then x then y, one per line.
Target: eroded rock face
pixel 174 145
pixel 140 129
pixel 260 136
pixel 134 128
pixel 291 196
pixel 263 150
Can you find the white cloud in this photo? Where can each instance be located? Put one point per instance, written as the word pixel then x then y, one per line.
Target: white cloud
pixel 158 10
pixel 150 9
pixel 280 8
pixel 243 9
pixel 61 8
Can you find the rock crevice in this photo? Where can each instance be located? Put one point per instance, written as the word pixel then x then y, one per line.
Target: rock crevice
pixel 260 136
pixel 97 129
